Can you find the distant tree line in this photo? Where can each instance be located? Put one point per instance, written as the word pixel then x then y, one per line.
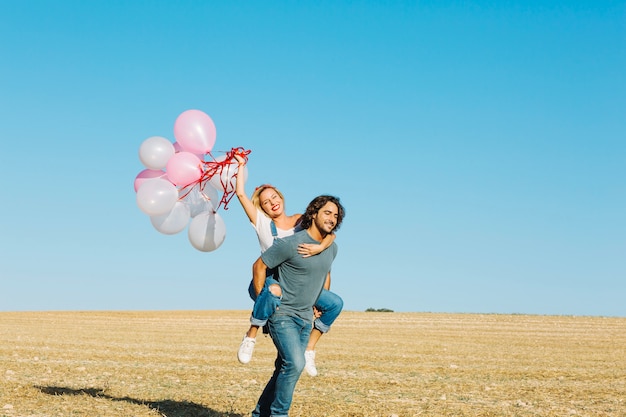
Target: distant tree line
pixel 379 310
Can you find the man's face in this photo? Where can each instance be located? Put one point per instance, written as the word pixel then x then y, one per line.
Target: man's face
pixel 326 218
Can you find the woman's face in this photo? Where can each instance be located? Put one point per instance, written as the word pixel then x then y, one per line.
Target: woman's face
pixel 271 203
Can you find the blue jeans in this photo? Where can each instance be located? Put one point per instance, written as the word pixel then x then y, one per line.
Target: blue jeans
pixel 290 335
pixel 329 303
pixel 264 304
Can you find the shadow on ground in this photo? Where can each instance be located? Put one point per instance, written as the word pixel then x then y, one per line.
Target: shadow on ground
pixel 167 408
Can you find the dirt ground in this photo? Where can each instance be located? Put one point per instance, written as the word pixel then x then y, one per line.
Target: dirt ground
pixel 183 364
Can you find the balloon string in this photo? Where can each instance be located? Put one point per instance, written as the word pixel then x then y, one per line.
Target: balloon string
pixel 211 168
pixel 182 197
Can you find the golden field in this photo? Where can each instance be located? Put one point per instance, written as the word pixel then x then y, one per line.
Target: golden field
pixel 183 364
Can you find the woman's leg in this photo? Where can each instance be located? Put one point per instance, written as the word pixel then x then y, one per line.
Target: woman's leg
pixel 330 305
pixel 264 306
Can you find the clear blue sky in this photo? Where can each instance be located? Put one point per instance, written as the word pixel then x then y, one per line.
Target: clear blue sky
pixel 479 148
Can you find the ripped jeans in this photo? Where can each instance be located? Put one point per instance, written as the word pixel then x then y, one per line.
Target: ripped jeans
pixel 329 303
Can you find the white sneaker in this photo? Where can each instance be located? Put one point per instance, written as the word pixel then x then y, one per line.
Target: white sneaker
pixel 244 354
pixel 309 357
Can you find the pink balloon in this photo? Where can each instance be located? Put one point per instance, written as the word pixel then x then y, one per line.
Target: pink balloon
pixel 195 132
pixel 148 174
pixel 184 168
pixel 178 148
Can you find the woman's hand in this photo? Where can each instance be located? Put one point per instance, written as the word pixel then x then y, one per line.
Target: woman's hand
pixel 309 249
pixel 239 159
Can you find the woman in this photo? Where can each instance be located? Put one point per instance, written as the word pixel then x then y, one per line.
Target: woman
pixel 266 212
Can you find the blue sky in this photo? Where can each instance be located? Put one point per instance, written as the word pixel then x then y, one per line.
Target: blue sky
pixel 479 148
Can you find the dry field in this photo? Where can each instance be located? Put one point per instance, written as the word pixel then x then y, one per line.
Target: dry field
pixel 183 364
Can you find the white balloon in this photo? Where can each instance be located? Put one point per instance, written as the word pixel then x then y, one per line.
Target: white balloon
pixel 155 151
pixel 207 231
pixel 200 198
pixel 148 174
pixel 174 221
pixel 156 196
pixel 223 180
pixel 211 193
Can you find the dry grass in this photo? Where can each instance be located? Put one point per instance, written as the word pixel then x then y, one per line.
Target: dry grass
pixel 180 364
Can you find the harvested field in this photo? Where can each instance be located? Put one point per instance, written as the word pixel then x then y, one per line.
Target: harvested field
pixel 183 364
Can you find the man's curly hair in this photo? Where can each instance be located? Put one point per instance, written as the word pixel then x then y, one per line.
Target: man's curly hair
pixel 316 205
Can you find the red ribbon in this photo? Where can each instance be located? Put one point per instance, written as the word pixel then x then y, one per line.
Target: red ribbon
pixel 211 168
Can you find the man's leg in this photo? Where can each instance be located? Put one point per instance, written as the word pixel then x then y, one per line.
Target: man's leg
pixel 262 408
pixel 290 335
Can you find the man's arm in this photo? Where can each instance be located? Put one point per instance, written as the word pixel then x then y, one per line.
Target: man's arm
pixel 259 273
pixel 327 282
pixel 318 313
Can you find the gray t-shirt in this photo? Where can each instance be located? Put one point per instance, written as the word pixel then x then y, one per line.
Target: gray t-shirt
pixel 301 279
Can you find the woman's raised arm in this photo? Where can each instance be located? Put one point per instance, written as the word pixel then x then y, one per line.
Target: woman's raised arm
pixel 240 191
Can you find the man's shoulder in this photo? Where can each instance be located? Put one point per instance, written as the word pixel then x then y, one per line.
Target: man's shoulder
pixel 301 233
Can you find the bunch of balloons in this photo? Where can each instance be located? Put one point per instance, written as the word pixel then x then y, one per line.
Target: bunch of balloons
pixel 182 181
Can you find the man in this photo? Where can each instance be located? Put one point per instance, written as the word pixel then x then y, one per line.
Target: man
pixel 301 281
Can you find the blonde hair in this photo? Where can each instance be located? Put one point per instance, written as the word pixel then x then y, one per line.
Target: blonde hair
pixel 256 195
